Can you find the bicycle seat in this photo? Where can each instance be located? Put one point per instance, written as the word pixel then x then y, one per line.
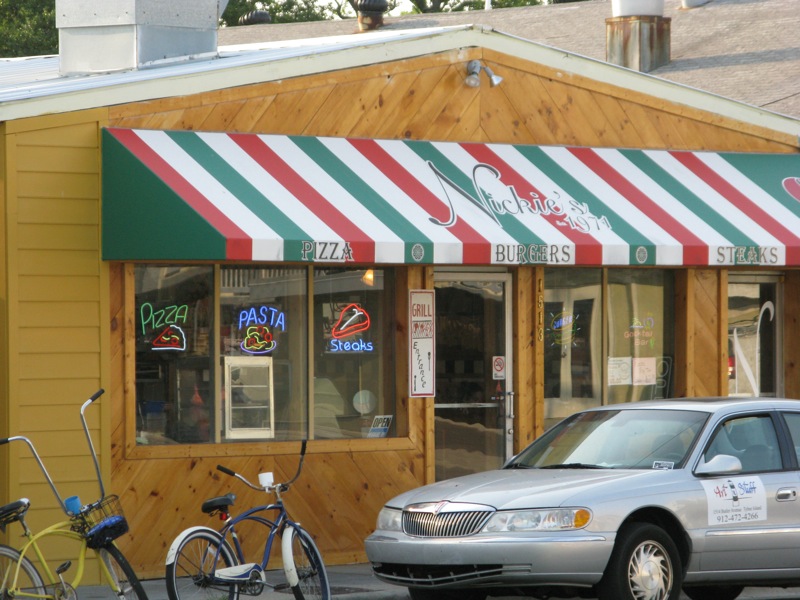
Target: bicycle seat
pixel 222 503
pixel 13 511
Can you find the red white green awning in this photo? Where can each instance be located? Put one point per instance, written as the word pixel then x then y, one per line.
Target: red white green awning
pixel 171 195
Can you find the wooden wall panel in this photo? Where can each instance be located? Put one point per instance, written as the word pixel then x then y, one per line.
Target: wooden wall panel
pixel 708 348
pixel 791 341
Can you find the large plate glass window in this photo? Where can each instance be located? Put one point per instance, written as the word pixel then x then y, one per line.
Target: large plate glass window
pixel 641 328
pixel 174 357
pixel 264 315
pixel 353 338
pixel 225 353
pixel 573 350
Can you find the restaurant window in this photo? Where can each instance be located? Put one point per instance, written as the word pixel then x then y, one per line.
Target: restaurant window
pixel 640 334
pixel 589 362
pixel 573 358
pixel 263 333
pixel 174 356
pixel 353 358
pixel 224 354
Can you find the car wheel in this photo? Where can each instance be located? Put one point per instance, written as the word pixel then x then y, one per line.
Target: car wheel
pixel 643 566
pixel 433 594
pixel 712 592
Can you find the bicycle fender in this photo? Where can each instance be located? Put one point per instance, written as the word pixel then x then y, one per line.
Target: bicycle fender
pixel 289 567
pixel 182 536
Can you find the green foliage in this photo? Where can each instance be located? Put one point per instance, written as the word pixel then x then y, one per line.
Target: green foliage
pixel 280 11
pixel 28 28
pixel 433 6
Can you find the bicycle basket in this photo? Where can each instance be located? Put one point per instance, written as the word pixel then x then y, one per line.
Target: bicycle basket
pixel 103 522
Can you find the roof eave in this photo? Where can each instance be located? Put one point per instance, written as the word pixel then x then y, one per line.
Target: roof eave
pixel 324 56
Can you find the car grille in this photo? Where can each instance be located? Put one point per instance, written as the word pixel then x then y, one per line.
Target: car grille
pixel 432 521
pixel 429 575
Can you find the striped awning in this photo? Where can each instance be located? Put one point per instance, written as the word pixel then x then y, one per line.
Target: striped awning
pixel 171 195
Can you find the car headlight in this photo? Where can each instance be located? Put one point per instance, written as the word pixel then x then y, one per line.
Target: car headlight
pixel 546 519
pixel 390 519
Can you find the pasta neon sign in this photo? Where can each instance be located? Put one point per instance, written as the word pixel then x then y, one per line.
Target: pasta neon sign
pixel 258 324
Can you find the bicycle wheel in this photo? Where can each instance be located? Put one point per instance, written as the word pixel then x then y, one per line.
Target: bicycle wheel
pixel 189 576
pixel 28 580
pixel 313 578
pixel 124 583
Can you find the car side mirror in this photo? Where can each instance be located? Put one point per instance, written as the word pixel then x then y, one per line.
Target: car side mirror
pixel 721 464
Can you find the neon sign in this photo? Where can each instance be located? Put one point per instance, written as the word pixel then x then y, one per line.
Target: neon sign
pixel 353 320
pixel 170 336
pixel 165 316
pixel 258 323
pixel 258 340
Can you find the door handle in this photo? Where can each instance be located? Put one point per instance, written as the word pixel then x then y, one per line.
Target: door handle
pixel 510 405
pixel 786 495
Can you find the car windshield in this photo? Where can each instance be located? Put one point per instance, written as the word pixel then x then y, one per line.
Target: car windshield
pixel 615 439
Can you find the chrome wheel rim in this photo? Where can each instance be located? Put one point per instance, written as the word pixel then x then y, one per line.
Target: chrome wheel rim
pixel 650 572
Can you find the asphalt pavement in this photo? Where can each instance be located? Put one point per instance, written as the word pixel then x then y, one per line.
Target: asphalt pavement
pixel 356 582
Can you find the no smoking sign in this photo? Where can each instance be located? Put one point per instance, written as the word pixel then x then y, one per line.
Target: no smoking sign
pixel 498 367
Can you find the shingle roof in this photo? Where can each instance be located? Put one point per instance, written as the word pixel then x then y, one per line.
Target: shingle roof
pixel 746 50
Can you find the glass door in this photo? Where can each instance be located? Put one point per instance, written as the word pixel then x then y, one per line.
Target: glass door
pixel 473 411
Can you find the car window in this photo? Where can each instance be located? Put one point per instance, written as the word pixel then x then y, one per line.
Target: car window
pixel 751 439
pixel 793 422
pixel 624 439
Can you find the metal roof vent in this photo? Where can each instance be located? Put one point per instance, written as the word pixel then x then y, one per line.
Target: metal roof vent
pixel 97 36
pixel 638 35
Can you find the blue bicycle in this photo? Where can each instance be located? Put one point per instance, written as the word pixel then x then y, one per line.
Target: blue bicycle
pixel 205 564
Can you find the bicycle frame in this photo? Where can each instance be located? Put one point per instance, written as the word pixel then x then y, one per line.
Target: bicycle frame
pixel 61 529
pixel 275 526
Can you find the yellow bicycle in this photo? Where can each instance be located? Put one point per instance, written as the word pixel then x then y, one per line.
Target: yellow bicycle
pixel 92 526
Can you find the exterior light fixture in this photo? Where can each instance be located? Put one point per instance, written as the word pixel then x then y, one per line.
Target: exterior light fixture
pixel 473 78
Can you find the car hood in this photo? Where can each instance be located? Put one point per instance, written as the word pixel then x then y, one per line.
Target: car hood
pixel 524 488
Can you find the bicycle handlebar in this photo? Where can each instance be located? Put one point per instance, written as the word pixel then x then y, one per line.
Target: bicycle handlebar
pixel 278 487
pixel 226 470
pixel 22 438
pixel 86 404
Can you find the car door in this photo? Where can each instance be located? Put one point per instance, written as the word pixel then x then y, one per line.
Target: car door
pixel 753 516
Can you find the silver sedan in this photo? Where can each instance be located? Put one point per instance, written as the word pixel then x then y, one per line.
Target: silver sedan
pixel 625 502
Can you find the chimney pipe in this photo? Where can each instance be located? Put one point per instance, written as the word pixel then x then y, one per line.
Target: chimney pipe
pixel 96 36
pixel 638 35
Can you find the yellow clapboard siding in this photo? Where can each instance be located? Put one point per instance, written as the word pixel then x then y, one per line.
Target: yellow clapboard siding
pixel 60 264
pixel 56 366
pixel 51 393
pixel 78 211
pixel 54 314
pixel 38 288
pixel 76 160
pixel 58 237
pixel 34 184
pixel 70 339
